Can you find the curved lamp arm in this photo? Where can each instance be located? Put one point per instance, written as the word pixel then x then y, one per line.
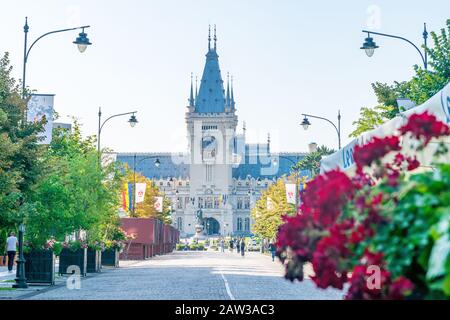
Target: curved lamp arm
pixel 48 33
pixel 146 158
pixel 401 38
pixel 332 123
pixel 114 116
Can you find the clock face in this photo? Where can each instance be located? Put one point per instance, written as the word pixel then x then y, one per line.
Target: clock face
pixel 209 147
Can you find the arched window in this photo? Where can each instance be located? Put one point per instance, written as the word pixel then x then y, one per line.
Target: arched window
pixel 239 224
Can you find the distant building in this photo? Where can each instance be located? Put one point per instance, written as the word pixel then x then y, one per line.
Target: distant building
pixel 222 176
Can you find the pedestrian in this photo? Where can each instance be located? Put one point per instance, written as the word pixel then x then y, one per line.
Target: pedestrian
pixel 272 250
pixel 238 246
pixel 11 247
pixel 231 245
pixel 242 247
pixel 222 245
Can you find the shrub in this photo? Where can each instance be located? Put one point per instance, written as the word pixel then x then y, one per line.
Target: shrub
pixel 384 220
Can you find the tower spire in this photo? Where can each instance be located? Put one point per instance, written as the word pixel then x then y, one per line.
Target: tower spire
pixel 228 99
pixel 196 87
pixel 191 97
pixel 232 95
pixel 209 38
pixel 215 39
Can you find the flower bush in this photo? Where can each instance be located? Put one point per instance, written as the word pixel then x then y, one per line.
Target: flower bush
pixel 383 233
pixel 74 245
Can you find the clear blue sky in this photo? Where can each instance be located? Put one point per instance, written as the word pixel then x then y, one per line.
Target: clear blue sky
pixel 287 57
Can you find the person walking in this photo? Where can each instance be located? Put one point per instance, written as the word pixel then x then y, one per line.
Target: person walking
pixel 272 250
pixel 231 245
pixel 222 245
pixel 242 247
pixel 11 247
pixel 238 246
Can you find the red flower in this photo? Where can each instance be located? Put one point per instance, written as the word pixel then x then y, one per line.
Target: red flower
pixel 412 163
pixel 385 288
pixel 374 150
pixel 400 288
pixel 328 257
pixel 325 196
pixel 425 126
pixel 393 177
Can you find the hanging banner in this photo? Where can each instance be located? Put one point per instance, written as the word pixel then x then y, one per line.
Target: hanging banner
pixel 41 106
pixel 140 192
pixel 130 197
pixel 290 193
pixel 159 204
pixel 125 197
pixel 269 204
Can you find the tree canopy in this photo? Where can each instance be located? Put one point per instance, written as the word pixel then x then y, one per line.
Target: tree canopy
pixel 266 218
pixel 423 85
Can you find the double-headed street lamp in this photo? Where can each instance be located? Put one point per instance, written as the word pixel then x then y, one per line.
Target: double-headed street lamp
pixel 369 45
pixel 156 163
pixel 305 124
pixel 82 41
pixel 132 121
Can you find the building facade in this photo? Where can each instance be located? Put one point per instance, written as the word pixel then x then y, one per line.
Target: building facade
pixel 222 176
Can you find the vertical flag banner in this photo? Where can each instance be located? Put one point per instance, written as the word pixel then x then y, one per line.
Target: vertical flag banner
pixel 140 192
pixel 130 196
pixel 159 204
pixel 125 197
pixel 41 106
pixel 269 204
pixel 290 192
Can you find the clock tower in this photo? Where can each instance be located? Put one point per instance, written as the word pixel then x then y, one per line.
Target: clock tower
pixel 211 125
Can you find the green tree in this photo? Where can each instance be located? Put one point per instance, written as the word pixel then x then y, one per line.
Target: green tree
pixel 311 161
pixel 268 219
pixel 419 89
pixel 20 165
pixel 74 193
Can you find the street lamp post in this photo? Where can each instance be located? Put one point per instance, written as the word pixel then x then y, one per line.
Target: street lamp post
pixel 157 163
pixel 305 124
pixel 132 121
pixel 21 281
pixel 369 45
pixel 82 41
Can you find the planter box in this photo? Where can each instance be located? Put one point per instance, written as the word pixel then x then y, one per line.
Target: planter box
pixel 110 257
pixel 73 258
pixel 40 266
pixel 94 260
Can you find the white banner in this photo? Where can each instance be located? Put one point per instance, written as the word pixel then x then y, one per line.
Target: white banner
pixel 40 106
pixel 140 192
pixel 159 204
pixel 290 193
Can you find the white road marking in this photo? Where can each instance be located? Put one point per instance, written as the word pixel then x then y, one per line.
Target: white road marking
pixel 227 287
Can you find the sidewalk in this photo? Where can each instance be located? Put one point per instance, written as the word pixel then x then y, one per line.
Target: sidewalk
pixel 5 275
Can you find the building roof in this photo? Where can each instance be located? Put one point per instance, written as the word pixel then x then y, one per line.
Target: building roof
pixel 211 95
pixel 173 165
